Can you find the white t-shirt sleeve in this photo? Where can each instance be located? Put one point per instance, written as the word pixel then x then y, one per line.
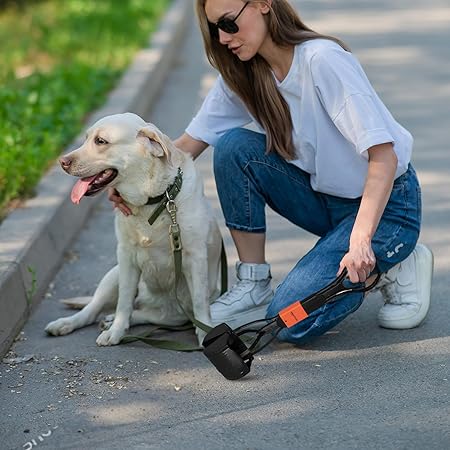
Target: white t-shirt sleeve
pixel 221 111
pixel 349 99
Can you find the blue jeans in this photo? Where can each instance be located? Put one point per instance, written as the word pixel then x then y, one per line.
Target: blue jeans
pixel 247 179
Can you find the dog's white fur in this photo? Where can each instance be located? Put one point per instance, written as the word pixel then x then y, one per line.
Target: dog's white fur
pixel 142 285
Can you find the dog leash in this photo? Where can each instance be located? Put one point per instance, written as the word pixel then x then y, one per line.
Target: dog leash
pixel 167 201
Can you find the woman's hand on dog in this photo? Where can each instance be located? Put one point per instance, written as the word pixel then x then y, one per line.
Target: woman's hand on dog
pixel 118 201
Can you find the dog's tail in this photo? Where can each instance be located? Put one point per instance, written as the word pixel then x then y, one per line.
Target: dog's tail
pixel 76 302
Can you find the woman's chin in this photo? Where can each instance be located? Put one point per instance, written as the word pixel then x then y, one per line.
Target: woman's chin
pixel 244 56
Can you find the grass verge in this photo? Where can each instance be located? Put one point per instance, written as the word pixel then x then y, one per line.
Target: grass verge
pixel 59 61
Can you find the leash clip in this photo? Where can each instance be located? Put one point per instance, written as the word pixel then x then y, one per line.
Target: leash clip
pixel 170 205
pixel 174 228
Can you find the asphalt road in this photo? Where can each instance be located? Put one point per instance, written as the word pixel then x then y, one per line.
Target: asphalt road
pixel 359 386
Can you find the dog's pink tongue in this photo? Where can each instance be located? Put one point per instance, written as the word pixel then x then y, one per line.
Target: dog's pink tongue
pixel 80 188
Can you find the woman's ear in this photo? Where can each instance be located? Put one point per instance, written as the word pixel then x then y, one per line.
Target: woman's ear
pixel 265 6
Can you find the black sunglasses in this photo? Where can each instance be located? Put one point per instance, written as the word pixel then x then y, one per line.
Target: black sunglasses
pixel 225 24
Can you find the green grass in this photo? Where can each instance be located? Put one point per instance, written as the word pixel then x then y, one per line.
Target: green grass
pixel 59 59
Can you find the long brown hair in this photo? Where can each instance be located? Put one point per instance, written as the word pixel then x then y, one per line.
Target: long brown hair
pixel 253 81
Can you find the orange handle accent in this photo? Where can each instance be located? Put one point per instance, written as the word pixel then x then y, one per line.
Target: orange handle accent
pixel 293 314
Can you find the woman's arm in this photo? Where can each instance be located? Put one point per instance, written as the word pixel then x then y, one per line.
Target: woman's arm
pixel 190 145
pixel 360 259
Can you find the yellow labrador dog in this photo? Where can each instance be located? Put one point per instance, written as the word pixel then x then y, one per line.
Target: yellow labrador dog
pixel 134 157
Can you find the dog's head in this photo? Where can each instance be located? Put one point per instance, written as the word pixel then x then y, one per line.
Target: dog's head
pixel 119 151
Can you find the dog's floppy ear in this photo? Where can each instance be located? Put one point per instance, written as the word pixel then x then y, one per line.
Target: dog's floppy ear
pixel 160 145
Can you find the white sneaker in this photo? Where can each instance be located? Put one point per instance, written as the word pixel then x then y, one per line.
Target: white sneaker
pixel 247 300
pixel 406 289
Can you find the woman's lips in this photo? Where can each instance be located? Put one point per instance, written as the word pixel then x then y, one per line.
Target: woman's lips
pixel 236 49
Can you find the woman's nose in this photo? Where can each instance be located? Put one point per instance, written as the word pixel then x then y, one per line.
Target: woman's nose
pixel 224 38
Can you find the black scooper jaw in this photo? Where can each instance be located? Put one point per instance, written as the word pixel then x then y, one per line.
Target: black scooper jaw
pixel 226 350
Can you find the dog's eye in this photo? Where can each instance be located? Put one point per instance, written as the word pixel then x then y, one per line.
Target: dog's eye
pixel 100 141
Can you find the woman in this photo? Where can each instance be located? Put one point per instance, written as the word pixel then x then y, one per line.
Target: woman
pixel 329 157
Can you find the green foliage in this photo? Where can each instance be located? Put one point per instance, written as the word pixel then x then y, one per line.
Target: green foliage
pixel 59 60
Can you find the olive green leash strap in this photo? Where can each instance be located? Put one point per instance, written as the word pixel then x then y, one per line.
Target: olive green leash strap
pixel 164 344
pixel 177 247
pixel 167 202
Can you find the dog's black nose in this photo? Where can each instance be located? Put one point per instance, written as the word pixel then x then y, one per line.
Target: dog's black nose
pixel 65 162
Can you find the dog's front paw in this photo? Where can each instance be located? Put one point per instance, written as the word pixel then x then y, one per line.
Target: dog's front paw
pixel 60 327
pixel 110 337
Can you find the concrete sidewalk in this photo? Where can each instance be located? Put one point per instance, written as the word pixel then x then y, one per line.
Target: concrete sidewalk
pixel 359 386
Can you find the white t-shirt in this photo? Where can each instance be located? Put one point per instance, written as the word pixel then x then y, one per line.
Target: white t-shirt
pixel 336 117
